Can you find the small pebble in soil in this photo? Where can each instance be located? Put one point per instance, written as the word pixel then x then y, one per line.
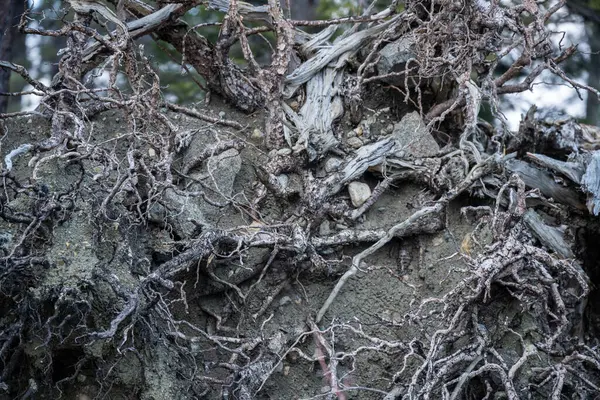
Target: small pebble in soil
pixel 359 193
pixel 354 142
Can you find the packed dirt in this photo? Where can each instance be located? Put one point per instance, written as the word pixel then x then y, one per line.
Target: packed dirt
pixel 240 323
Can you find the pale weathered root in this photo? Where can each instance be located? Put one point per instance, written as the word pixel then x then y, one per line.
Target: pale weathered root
pixel 504 265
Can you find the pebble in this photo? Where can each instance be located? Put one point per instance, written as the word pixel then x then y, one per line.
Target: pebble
pixel 283 180
pixel 151 152
pixel 286 370
pixel 324 228
pixel 359 193
pixel 387 130
pixel 332 164
pixel 257 134
pixel 354 142
pixel 285 300
pixel 438 240
pixel 286 151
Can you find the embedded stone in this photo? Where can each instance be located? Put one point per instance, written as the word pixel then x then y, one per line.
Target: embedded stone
pixel 324 228
pixel 332 164
pixel 413 137
pixel 359 193
pixel 354 142
pixel 257 134
pixel 393 58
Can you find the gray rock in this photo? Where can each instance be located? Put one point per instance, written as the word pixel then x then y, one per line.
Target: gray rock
pixel 285 300
pixel 6 240
pixel 218 174
pixel 257 134
pixel 387 130
pixel 182 210
pixel 224 168
pixel 283 180
pixel 359 193
pixel 332 164
pixel 354 142
pixel 324 228
pixel 413 137
pixel 393 58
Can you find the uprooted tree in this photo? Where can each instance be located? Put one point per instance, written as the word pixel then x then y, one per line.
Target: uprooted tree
pixel 336 224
